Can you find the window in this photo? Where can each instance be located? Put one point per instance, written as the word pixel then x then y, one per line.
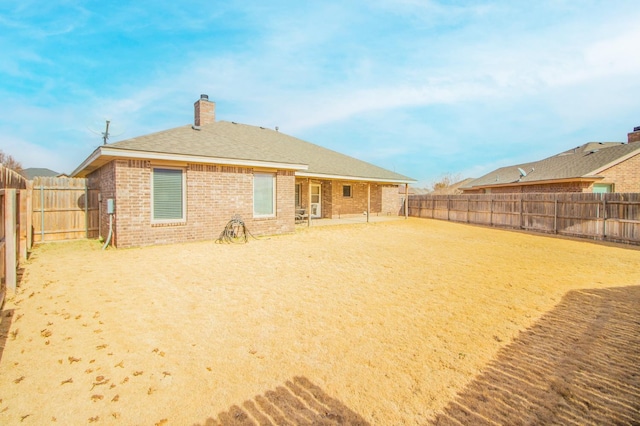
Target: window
pixel 298 194
pixel 346 191
pixel 264 194
pixel 168 195
pixel 601 188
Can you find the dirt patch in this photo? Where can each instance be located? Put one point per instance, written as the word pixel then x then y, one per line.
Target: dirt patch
pixel 390 321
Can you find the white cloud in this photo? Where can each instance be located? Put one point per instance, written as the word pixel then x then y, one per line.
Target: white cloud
pixel 507 72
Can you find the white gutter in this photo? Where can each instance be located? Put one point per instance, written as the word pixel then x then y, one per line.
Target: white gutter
pixel 585 178
pixel 147 155
pixel 355 178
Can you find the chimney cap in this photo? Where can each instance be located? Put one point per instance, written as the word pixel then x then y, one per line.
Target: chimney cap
pixel 205 97
pixel 636 129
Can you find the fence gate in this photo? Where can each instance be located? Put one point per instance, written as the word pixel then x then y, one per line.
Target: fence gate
pixel 64 209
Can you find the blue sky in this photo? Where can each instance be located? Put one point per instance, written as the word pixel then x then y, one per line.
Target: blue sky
pixel 422 87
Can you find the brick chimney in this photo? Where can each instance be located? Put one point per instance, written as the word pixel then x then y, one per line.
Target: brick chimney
pixel 635 135
pixel 204 111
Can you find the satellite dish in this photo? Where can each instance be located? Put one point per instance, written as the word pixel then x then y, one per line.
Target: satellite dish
pixel 522 172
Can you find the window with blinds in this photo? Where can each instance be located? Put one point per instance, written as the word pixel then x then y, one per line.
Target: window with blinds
pixel 168 194
pixel 264 194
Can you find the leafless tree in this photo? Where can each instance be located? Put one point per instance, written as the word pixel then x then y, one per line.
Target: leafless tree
pixel 445 181
pixel 11 163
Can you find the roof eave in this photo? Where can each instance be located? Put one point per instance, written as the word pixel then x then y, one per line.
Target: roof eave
pixel 95 155
pixel 536 182
pixel 354 178
pixel 108 153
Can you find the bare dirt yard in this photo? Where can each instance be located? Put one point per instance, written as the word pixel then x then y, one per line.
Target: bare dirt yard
pixel 407 322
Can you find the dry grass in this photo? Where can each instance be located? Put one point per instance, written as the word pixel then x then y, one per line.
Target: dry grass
pixel 385 323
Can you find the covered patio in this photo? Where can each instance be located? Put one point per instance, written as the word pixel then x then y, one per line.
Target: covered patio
pixel 353 199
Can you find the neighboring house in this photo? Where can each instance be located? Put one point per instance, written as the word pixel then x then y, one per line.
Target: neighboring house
pixel 402 190
pixel 453 189
pixel 186 183
pixel 592 167
pixel 32 172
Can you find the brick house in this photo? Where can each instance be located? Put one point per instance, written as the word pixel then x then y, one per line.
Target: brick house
pixel 186 183
pixel 592 167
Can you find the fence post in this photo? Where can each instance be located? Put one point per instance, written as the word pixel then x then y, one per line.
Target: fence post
pixel 42 213
pixel 555 213
pixel 521 213
pixel 10 237
pixel 406 201
pixel 21 198
pixel 491 211
pixel 604 218
pixel 86 210
pixel 29 220
pixel 468 202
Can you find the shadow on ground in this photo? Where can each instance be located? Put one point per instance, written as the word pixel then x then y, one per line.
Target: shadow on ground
pixel 579 364
pixel 298 402
pixel 6 317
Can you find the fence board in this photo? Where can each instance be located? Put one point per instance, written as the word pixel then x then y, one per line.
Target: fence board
pixel 64 209
pixel 12 186
pixel 610 217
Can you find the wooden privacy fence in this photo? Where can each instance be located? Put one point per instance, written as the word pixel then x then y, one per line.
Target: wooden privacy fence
pixel 14 226
pixel 609 217
pixel 64 209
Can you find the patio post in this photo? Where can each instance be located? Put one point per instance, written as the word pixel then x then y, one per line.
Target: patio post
pixel 368 200
pixel 309 203
pixel 406 200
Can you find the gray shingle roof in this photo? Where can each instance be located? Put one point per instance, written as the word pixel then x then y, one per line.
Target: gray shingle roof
pixel 580 162
pixel 32 172
pixel 223 139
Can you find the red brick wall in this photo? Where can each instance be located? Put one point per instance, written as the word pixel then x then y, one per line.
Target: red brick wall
pixel 104 179
pixel 214 194
pixel 391 200
pixel 328 197
pixel 557 187
pixel 633 137
pixel 549 187
pixel 204 112
pixel 625 176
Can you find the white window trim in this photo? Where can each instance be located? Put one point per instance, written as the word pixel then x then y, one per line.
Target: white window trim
pixel 275 190
pixel 184 196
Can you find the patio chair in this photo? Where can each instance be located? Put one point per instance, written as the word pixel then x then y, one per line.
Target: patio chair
pixel 301 215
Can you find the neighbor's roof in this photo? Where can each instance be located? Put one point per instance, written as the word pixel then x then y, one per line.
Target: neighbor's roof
pixel 32 172
pixel 231 143
pixel 583 162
